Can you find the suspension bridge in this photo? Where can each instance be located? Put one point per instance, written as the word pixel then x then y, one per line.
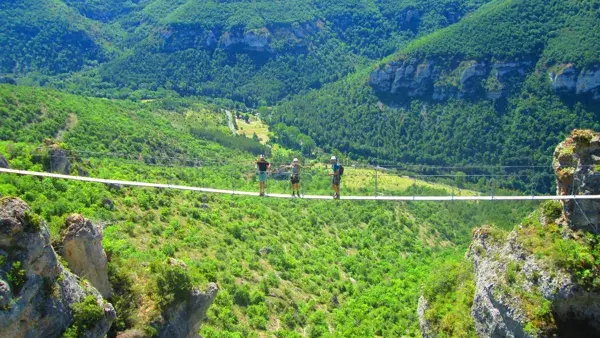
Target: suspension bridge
pixel 532 197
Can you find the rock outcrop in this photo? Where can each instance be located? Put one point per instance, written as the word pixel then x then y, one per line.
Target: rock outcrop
pixel 4 162
pixel 569 80
pixel 500 310
pixel 184 319
pixel 263 40
pixel 577 167
pixel 37 293
pixel 82 249
pixel 434 80
pixel 424 324
pixel 541 279
pixel 58 158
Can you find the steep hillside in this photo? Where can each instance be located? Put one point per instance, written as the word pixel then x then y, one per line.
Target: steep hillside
pixel 48 37
pixel 291 268
pixel 540 279
pixel 250 51
pixel 502 86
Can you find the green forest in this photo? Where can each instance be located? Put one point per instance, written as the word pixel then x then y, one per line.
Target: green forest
pixel 415 98
pixel 287 268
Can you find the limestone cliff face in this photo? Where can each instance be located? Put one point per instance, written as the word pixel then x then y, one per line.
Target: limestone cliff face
pixel 529 283
pixel 508 276
pixel 435 80
pixel 36 292
pixel 569 80
pixel 440 80
pixel 185 36
pixel 577 167
pixel 82 249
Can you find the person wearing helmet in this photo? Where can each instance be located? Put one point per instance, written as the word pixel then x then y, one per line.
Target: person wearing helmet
pixel 262 166
pixel 337 177
pixel 295 178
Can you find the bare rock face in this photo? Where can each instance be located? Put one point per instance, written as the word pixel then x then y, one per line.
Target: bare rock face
pixel 434 80
pixel 58 158
pixel 570 80
pixel 426 331
pixel 36 292
pixel 577 167
pixel 405 78
pixel 3 162
pixel 82 248
pixel 184 319
pixel 499 305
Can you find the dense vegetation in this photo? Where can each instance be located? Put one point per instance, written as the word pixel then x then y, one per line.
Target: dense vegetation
pixel 46 36
pixel 250 51
pixel 290 268
pixel 520 129
pixel 283 267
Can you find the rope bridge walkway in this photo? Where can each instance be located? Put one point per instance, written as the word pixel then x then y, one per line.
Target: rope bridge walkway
pixel 312 197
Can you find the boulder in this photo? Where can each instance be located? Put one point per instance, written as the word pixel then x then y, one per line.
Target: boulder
pixel 41 299
pixel 184 319
pixel 577 168
pixel 4 162
pixel 82 249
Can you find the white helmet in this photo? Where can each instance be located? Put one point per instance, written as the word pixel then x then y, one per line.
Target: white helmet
pixel 295 160
pixel 333 158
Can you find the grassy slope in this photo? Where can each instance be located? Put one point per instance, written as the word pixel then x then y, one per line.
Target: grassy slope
pixel 328 264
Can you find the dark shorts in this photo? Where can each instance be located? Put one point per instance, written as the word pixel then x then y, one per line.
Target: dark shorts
pixel 295 179
pixel 336 180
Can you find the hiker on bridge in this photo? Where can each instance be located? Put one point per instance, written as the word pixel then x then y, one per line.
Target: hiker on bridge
pixel 295 177
pixel 337 172
pixel 262 166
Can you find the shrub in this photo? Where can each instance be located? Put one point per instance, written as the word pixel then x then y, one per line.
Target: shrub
pixel 258 316
pixel 173 284
pixel 33 222
pixel 16 277
pixel 124 299
pixel 241 296
pixel 552 210
pixel 87 314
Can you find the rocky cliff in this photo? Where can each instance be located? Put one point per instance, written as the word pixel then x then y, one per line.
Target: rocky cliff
pixel 82 249
pixel 542 279
pixel 439 80
pixel 267 40
pixel 577 166
pixel 38 296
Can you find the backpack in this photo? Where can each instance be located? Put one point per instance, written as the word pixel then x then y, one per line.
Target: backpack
pixel 341 170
